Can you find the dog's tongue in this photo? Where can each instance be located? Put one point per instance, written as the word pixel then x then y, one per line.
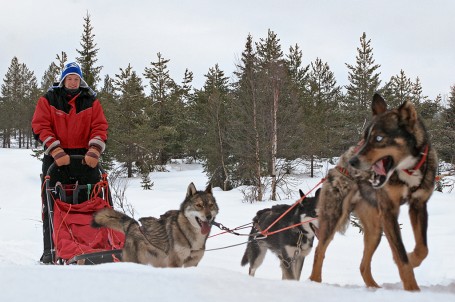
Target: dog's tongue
pixel 378 167
pixel 205 228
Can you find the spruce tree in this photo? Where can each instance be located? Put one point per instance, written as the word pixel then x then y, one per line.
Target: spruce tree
pixel 61 61
pixel 51 75
pixel 426 108
pixel 88 55
pixel 298 73
pixel 208 108
pixel 19 93
pixel 363 83
pixel 166 103
pixel 127 120
pixel 108 101
pixel 323 121
pixel 446 145
pixel 292 138
pixel 27 105
pixel 246 137
pixel 182 120
pixel 10 91
pixel 397 90
pixel 363 77
pixel 273 77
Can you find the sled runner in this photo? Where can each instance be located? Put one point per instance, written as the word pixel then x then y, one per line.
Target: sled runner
pixel 71 203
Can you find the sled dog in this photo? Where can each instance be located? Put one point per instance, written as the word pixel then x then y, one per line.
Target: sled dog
pixel 291 245
pixel 347 190
pixel 396 150
pixel 176 239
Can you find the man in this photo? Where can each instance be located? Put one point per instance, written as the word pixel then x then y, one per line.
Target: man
pixel 69 120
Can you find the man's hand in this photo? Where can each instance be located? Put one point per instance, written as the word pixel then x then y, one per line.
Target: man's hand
pixel 92 156
pixel 60 157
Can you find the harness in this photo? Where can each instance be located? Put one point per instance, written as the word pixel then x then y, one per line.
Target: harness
pixel 288 263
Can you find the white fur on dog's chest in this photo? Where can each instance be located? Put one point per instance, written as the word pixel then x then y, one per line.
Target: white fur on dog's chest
pixel 303 249
pixel 199 243
pixel 412 180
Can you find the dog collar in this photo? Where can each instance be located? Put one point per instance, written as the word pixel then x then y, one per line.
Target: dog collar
pixel 342 170
pixel 419 164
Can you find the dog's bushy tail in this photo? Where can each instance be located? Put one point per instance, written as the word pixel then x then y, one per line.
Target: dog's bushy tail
pixel 252 245
pixel 244 259
pixel 112 219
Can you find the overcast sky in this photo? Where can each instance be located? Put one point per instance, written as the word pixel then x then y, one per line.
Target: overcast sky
pixel 415 36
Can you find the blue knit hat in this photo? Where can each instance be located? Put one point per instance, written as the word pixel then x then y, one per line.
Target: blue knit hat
pixel 72 68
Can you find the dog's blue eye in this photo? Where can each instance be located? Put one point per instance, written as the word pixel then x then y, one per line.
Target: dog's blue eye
pixel 379 138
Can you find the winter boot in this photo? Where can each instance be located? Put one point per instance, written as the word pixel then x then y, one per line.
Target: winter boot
pixel 46 258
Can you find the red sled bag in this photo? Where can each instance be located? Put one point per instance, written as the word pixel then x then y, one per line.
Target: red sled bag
pixel 73 234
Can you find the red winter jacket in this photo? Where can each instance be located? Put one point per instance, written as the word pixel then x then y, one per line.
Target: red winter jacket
pixel 69 123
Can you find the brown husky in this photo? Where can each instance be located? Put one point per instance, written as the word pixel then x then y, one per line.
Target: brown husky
pixel 396 149
pixel 176 239
pixel 347 190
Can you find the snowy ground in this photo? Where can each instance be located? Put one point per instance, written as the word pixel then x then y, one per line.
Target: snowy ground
pixel 219 277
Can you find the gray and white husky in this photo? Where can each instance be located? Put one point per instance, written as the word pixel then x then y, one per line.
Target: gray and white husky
pixel 176 239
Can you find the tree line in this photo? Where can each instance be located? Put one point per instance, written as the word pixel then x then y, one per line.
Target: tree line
pixel 253 130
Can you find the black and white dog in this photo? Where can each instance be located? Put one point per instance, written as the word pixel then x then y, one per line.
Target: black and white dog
pixel 291 245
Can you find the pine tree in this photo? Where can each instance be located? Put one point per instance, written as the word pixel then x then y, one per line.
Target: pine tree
pixel 182 120
pixel 10 91
pixel 323 121
pixel 273 74
pixel 27 105
pixel 50 76
pixel 426 108
pixel 88 55
pixel 186 88
pixel 363 77
pixel 416 96
pixel 446 146
pixel 166 103
pixel 298 73
pixel 108 101
pixel 127 120
pixel 293 107
pixel 246 136
pixel 61 61
pixel 19 93
pixel 432 113
pixel 146 183
pixel 208 109
pixel 161 84
pixel 398 90
pixel 363 83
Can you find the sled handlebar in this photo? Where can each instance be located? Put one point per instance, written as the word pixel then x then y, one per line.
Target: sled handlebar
pixel 74 157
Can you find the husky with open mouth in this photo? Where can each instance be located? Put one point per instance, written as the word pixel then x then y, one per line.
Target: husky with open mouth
pixel 176 239
pixel 397 149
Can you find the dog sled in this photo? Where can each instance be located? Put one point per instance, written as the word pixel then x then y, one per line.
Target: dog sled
pixel 71 204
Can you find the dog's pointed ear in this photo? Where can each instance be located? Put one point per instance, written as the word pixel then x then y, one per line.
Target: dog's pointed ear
pixel 191 190
pixel 318 191
pixel 301 193
pixel 408 114
pixel 378 105
pixel 209 188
